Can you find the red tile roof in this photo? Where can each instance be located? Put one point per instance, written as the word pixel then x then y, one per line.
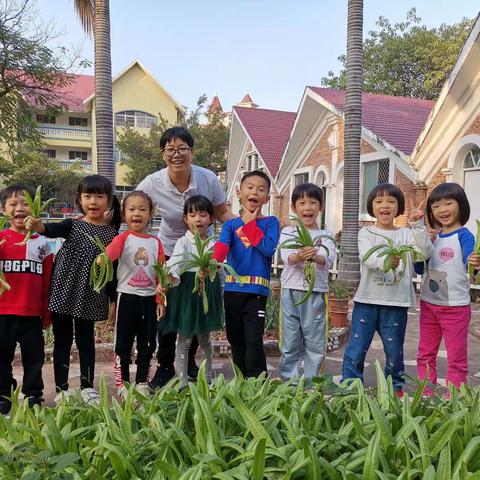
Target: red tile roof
pixel 215 106
pixel 246 99
pixel 397 120
pixel 72 95
pixel 269 130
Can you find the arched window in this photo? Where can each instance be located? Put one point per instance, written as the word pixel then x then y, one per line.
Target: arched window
pixel 472 158
pixel 134 118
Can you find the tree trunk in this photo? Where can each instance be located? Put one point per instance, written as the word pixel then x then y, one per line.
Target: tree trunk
pixel 349 264
pixel 103 91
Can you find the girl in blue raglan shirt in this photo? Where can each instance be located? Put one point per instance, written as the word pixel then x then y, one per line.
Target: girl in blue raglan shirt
pixel 445 296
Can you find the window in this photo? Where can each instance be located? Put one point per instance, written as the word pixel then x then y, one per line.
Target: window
pixel 252 162
pixel 133 118
pixel 77 121
pixel 301 178
pixel 373 173
pixel 51 153
pixel 42 118
pixel 73 155
pixel 472 158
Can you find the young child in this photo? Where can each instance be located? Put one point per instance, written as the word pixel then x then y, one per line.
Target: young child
pixel 137 252
pixel 250 242
pixel 304 325
pixel 27 269
pixel 185 313
pixel 445 296
pixel 380 303
pixel 72 300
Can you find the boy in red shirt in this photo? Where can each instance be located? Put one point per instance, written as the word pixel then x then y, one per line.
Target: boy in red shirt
pixel 23 308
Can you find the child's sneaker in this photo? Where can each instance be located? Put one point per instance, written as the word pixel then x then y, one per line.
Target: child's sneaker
pixel 143 388
pixel 399 393
pixel 90 396
pixel 122 393
pixel 63 396
pixel 32 401
pixel 5 406
pixel 192 370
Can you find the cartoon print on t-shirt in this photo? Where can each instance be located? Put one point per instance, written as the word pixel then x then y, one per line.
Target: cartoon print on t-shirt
pixel 436 282
pixel 140 279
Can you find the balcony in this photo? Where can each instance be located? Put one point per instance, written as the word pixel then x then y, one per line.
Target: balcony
pixel 84 166
pixel 66 133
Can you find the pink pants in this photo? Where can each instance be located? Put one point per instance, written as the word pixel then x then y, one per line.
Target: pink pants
pixel 451 323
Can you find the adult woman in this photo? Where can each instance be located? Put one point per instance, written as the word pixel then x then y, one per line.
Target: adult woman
pixel 169 188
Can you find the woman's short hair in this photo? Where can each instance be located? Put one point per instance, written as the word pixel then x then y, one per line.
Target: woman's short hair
pixel 446 191
pixel 386 190
pixel 176 132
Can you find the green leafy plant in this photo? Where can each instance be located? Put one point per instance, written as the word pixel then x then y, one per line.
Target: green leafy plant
pixel 101 271
pixel 390 250
pixel 248 428
pixel 162 271
pixel 36 208
pixel 304 239
pixel 476 251
pixel 339 290
pixel 4 285
pixel 202 261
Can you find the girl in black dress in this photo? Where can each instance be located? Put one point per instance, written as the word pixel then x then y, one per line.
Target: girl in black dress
pixel 74 304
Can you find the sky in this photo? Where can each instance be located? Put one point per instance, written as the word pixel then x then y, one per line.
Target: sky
pixel 270 49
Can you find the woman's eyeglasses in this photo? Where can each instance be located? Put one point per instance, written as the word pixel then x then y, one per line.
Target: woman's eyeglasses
pixel 170 151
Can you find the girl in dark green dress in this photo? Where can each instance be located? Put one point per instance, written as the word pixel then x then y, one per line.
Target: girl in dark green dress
pixel 185 313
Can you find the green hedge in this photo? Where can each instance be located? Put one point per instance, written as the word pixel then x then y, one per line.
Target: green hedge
pixel 248 429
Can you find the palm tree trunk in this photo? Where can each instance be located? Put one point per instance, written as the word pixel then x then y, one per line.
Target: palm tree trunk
pixel 103 91
pixel 349 264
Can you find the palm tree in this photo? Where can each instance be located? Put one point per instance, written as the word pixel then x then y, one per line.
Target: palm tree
pixel 95 17
pixel 349 264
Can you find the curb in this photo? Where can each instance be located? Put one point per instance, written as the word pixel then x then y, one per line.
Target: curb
pixel 221 348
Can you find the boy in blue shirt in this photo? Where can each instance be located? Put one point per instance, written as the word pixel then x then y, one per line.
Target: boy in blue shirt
pixel 248 242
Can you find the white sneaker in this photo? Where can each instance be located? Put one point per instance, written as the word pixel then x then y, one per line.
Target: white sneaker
pixel 143 389
pixel 90 396
pixel 122 392
pixel 64 395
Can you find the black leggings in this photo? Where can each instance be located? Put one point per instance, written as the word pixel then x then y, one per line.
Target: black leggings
pixel 63 339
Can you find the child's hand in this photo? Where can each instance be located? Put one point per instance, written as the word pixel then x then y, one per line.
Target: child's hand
pixel 306 253
pixel 416 213
pixel 249 216
pixel 34 224
pixel 112 312
pixel 160 311
pixel 395 262
pixel 160 290
pixel 202 274
pixel 474 259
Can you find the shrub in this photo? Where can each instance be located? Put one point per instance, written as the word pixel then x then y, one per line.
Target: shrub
pixel 248 429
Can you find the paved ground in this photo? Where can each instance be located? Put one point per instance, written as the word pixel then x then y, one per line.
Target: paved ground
pixel 334 360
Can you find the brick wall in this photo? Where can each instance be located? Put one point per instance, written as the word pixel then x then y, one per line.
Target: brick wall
pixel 474 127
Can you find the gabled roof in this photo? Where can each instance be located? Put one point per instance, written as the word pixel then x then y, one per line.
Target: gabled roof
pixel 397 120
pixel 269 131
pixel 215 106
pixel 148 74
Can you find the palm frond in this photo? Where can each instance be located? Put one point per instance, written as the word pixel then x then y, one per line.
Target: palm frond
pixel 85 10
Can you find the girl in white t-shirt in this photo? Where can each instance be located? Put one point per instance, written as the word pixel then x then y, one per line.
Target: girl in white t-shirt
pixel 137 309
pixel 445 297
pixel 382 300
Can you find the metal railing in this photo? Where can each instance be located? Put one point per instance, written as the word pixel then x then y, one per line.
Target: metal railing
pixel 66 132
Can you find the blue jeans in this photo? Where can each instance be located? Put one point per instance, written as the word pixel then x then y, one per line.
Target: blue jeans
pixel 390 322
